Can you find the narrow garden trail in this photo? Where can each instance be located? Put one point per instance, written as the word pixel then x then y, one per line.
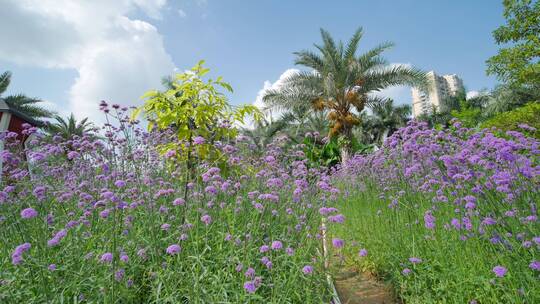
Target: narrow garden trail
pixel 354 287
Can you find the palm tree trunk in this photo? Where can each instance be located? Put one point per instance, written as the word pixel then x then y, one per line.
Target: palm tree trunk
pixel 346 147
pixel 345 154
pixel 385 135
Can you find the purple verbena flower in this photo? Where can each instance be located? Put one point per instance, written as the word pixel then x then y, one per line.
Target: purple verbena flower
pixel 250 287
pixel 206 219
pixel 415 260
pixel 106 257
pixel 29 213
pixel 499 271
pixel 276 245
pixel 338 243
pixel 307 270
pixel 173 249
pixel 199 140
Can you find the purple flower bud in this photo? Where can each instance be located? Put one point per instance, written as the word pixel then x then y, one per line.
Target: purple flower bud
pixel 106 257
pixel 338 243
pixel 307 270
pixel 120 183
pixel 535 265
pixel 199 140
pixel 264 248
pixel 250 287
pixel 276 245
pixel 250 272
pixel 206 219
pixel 499 271
pixel 173 249
pixel 179 202
pixel 28 213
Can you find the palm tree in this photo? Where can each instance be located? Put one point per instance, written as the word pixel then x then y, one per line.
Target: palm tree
pixel 22 103
pixel 71 127
pixel 387 118
pixel 264 132
pixel 505 98
pixel 341 83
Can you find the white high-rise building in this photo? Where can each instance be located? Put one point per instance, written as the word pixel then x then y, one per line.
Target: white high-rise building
pixel 440 87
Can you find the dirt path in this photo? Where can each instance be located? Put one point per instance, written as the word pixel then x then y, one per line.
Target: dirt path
pixel 361 288
pixel 352 286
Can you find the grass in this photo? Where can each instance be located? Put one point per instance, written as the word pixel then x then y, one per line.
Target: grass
pixel 452 270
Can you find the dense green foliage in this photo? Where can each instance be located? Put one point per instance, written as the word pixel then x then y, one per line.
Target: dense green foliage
pixel 385 119
pixel 70 127
pixel 518 63
pixel 469 115
pixel 525 119
pixel 326 151
pixel 194 108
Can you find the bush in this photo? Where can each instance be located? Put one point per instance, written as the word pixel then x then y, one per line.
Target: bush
pixel 525 119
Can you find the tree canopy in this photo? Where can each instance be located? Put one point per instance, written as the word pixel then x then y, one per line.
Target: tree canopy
pixel 518 62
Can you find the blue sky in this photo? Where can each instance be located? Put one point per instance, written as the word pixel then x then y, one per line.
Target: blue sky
pixel 74 54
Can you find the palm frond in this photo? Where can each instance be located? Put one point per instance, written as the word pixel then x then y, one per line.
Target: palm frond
pixel 382 78
pixel 372 57
pixel 27 105
pixel 20 100
pixel 167 82
pixel 298 90
pixel 309 59
pixel 352 46
pixel 70 127
pixel 5 79
pixel 376 103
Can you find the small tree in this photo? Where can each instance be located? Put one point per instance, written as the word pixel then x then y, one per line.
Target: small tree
pixel 198 113
pixel 67 128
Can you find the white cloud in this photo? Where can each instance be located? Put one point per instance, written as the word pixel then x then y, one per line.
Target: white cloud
pixel 182 13
pixel 400 94
pixel 472 94
pixel 272 114
pixel 151 7
pixel 202 3
pixel 117 58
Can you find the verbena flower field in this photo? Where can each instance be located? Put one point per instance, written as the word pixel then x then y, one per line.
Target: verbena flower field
pixel 448 216
pixel 442 214
pixel 109 220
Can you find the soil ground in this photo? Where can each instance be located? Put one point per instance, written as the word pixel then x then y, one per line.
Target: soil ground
pixel 354 287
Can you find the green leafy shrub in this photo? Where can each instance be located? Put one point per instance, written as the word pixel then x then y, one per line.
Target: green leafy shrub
pixel 468 115
pixel 327 152
pixel 516 120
